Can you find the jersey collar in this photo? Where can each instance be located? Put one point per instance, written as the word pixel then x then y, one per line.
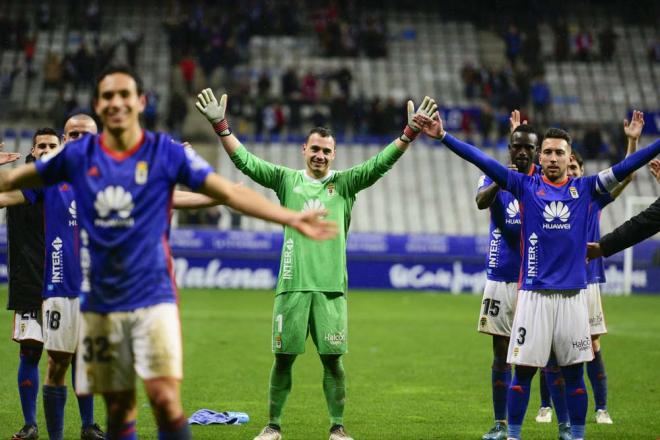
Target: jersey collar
pixel 557 184
pixel 121 155
pixel 322 180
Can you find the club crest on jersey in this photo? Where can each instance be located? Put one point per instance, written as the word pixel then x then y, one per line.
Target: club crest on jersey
pixel 574 192
pixel 141 172
pixel 331 189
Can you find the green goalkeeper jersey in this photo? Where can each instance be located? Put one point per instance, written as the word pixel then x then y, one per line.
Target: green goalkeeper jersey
pixel 306 264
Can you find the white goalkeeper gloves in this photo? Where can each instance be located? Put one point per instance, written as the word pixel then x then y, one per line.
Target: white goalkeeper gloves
pixel 427 109
pixel 214 111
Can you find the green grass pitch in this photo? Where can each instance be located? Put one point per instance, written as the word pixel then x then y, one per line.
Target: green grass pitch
pixel 417 369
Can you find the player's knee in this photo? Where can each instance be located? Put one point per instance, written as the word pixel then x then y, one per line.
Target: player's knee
pixel 333 365
pixel 31 352
pixel 58 365
pixel 572 373
pixel 284 362
pixel 500 364
pixel 525 374
pixel 165 401
pixel 121 407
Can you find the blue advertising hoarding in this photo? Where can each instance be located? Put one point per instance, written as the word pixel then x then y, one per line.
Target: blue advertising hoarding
pixel 209 258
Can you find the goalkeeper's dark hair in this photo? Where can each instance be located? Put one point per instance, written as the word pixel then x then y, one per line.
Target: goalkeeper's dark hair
pixel 119 69
pixel 323 132
pixel 578 158
pixel 525 128
pixel 557 133
pixel 45 131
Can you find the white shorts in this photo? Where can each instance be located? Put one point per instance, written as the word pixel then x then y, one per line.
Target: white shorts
pixel 116 346
pixel 27 326
pixel 497 308
pixel 61 317
pixel 550 321
pixel 596 316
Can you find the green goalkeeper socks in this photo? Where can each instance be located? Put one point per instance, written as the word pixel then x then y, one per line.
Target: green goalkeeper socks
pixel 334 387
pixel 280 386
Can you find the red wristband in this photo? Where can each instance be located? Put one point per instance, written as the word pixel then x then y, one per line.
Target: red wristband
pixel 410 133
pixel 221 126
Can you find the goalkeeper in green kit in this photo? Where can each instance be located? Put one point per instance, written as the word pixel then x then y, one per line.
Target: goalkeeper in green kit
pixel 312 282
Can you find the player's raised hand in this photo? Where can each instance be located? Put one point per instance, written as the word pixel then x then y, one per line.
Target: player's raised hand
pixel 633 129
pixel 7 157
pixel 514 121
pixel 433 126
pixel 594 251
pixel 654 167
pixel 209 106
pixel 417 119
pixel 311 224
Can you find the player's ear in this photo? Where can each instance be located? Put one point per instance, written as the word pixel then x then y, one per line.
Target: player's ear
pixel 142 102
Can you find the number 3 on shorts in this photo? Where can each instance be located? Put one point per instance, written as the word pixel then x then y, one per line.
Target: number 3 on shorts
pixel 522 331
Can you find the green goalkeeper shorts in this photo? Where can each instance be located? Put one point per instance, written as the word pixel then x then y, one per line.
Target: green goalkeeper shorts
pixel 323 314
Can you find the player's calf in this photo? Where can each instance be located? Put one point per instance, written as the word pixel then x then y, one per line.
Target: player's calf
pixel 122 411
pixel 165 399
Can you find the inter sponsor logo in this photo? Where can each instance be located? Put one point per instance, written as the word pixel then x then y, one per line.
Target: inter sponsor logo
pixel 56 261
pixel 532 256
pixel 583 344
pixel 287 260
pixel 494 248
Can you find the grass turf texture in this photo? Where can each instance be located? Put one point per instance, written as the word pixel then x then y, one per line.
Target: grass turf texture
pixel 417 369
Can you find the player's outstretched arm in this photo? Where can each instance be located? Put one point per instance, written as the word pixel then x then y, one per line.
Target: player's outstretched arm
pixel 12 198
pixel 25 176
pixel 190 200
pixel 492 168
pixel 6 157
pixel 633 131
pixel 214 111
pixel 610 178
pixel 254 204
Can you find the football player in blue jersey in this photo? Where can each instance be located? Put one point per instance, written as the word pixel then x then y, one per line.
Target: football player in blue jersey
pixel 503 266
pixel 61 314
pixel 551 313
pixel 124 180
pixel 596 270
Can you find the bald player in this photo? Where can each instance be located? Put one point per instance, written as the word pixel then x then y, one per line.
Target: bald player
pixel 61 286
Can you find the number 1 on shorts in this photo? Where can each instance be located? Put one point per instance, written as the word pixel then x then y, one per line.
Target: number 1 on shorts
pixel 279 318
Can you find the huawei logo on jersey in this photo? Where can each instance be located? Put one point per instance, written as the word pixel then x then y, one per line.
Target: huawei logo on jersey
pixel 73 212
pixel 313 204
pixel 114 199
pixel 513 209
pixel 556 211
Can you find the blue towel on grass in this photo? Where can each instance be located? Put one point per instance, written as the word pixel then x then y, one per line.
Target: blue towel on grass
pixel 210 417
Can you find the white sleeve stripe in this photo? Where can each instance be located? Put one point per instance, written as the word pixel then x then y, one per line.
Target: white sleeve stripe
pixel 606 181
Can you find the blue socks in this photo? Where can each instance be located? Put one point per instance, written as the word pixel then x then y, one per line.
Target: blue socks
pixel 557 387
pixel 28 381
pixel 85 403
pixel 598 379
pixel 518 398
pixel 179 430
pixel 126 432
pixel 576 398
pixel 501 380
pixel 545 391
pixel 54 402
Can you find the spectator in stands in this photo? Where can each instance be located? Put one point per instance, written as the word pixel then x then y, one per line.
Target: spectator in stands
pixel 607 42
pixel 84 65
pixel 93 16
pixel 562 46
pixel 373 38
pixel 7 77
pixel 44 16
pixel 290 85
pixel 541 99
pixel 531 50
pixel 486 122
pixel 343 76
pixel 132 41
pixel 151 110
pixel 339 113
pixel 29 47
pixel 592 142
pixel 52 70
pixel 176 114
pixel 583 45
pixel 470 77
pixel 308 89
pixel 654 51
pixel 513 43
pixel 188 66
pixel 264 85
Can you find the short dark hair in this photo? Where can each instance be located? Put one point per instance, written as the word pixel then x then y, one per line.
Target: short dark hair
pixel 557 133
pixel 526 128
pixel 578 158
pixel 43 132
pixel 323 132
pixel 119 69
